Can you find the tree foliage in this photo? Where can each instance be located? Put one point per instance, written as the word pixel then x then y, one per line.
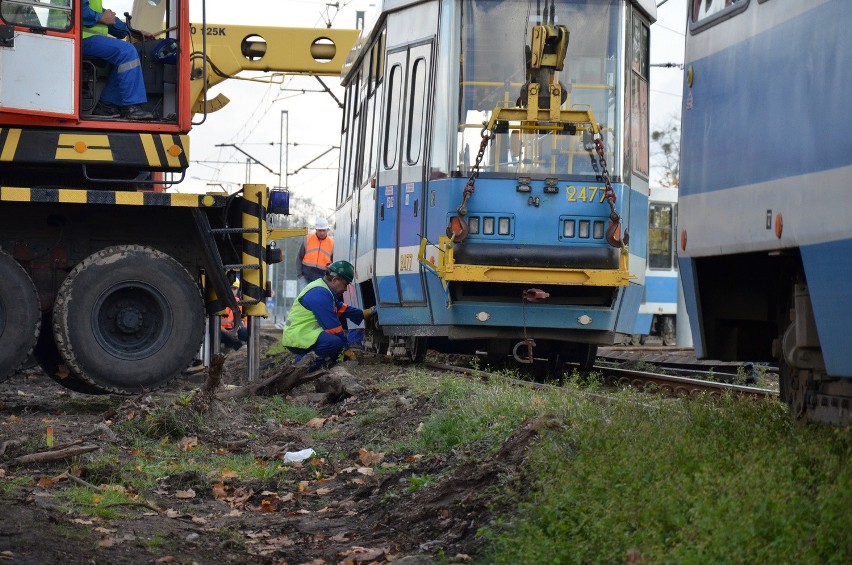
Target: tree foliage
pixel 665 152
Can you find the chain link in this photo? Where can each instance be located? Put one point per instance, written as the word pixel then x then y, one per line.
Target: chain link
pixel 460 234
pixel 614 229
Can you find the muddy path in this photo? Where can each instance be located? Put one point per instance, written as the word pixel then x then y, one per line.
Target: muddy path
pixel 345 503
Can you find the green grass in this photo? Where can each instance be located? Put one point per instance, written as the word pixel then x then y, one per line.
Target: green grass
pixel 691 481
pixel 696 482
pixel 278 409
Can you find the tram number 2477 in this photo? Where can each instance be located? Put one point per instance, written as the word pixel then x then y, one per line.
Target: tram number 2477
pixel 588 194
pixel 406 262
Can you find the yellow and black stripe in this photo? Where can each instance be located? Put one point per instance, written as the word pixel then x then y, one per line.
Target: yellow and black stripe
pixel 254 204
pixel 109 197
pixel 160 151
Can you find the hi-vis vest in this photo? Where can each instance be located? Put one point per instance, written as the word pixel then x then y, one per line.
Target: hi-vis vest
pixel 302 328
pixel 318 251
pixel 98 29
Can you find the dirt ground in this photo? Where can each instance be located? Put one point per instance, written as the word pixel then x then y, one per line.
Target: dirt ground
pixel 350 509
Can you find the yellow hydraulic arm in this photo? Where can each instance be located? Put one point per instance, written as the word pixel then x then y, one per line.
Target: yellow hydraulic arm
pixel 233 48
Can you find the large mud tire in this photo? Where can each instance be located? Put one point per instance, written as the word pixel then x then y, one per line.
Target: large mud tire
pixel 128 319
pixel 20 315
pixel 52 363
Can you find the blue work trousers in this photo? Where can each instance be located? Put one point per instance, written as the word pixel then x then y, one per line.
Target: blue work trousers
pixel 328 348
pixel 125 85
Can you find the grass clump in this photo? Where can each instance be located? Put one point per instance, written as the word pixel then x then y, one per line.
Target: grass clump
pixel 686 482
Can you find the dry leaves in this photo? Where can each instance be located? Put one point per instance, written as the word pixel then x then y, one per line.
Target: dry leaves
pixel 369 458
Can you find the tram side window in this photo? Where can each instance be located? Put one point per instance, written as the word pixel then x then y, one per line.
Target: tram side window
pixel 639 67
pixel 417 109
pixel 704 9
pixel 45 14
pixel 391 140
pixel 660 222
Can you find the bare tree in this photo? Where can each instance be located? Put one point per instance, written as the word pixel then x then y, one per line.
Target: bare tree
pixel 665 151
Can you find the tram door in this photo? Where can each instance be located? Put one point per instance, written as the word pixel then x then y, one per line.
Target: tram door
pixel 403 177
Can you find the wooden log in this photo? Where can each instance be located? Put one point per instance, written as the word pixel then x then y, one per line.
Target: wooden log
pixel 54 455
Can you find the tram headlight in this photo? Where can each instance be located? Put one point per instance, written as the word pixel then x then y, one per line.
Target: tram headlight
pixel 568 228
pixel 584 229
pixel 473 225
pixel 503 226
pixel 598 230
pixel 488 226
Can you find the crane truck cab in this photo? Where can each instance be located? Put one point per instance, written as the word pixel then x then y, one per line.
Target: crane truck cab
pixel 109 278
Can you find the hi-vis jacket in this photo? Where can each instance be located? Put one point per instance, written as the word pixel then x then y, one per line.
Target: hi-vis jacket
pixel 317 309
pixel 318 252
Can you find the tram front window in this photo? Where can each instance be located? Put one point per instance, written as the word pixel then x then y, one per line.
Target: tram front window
pixel 494 38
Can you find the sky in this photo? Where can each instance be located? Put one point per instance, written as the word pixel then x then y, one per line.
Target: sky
pixel 253 120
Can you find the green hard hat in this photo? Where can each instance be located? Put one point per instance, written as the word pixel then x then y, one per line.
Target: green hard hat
pixel 342 269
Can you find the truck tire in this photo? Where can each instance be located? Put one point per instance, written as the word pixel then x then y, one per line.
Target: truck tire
pixel 20 315
pixel 128 319
pixel 52 363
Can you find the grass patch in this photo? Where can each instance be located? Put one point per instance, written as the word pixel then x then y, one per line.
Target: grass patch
pixel 685 482
pixel 105 503
pixel 279 410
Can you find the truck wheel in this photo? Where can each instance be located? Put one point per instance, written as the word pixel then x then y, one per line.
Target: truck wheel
pixel 52 363
pixel 128 319
pixel 20 315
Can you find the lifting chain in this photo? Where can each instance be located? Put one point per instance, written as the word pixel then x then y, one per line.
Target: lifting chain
pixel 613 231
pixel 458 228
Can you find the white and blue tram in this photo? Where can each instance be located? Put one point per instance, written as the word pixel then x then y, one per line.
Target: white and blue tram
pixel 765 241
pixel 493 188
pixel 658 308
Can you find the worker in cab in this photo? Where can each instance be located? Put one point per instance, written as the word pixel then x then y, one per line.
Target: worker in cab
pixel 315 255
pixel 316 320
pixel 103 34
pixel 232 329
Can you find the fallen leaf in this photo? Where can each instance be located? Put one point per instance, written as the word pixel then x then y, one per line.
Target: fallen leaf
pixel 323 491
pixel 103 530
pixel 187 443
pixel 188 493
pixel 171 513
pixel 413 458
pixel 166 559
pixel 267 505
pixel 234 513
pixel 359 554
pixel 106 541
pixel 45 482
pixel 82 521
pixel 6 554
pixel 316 422
pixel 368 471
pixel 229 474
pixel 220 491
pixel 369 458
pixel 419 428
pixel 198 520
pixel 461 557
pixel 2 473
pixel 340 537
pixel 350 412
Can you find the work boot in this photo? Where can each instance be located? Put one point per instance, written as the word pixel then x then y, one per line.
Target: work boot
pixel 106 110
pixel 135 113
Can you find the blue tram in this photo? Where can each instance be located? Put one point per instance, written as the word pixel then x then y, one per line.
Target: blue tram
pixel 765 242
pixel 658 308
pixel 493 187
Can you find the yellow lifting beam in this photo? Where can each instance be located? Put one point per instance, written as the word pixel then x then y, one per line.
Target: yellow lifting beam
pixel 445 266
pixel 232 49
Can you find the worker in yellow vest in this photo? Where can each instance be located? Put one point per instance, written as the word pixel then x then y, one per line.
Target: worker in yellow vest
pixel 315 255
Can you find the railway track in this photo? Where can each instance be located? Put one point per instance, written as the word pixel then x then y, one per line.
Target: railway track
pixel 668 384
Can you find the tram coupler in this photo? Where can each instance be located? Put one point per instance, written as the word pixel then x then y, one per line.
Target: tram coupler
pixel 529 344
pixel 535 295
